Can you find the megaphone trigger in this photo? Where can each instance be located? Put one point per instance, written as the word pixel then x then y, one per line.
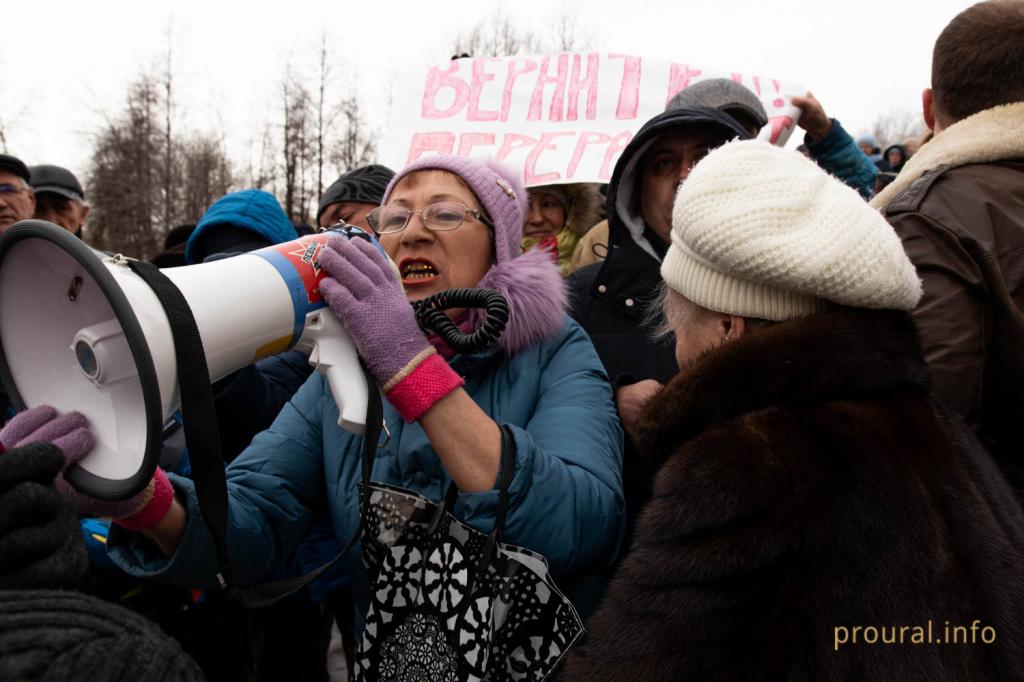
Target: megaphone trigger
pixel 333 352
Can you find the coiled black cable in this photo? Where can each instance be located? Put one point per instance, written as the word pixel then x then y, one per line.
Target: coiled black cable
pixel 430 311
pixel 430 315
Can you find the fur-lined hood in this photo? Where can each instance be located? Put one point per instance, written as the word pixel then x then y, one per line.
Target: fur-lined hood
pixel 584 204
pixel 996 134
pixel 537 299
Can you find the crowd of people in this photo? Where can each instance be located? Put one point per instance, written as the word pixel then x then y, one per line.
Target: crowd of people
pixel 747 400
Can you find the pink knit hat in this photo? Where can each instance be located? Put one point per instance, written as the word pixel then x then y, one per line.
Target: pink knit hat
pixel 531 282
pixel 498 189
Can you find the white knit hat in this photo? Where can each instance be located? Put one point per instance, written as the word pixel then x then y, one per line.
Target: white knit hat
pixel 762 232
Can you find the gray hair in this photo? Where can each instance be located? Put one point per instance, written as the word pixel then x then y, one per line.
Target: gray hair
pixel 670 311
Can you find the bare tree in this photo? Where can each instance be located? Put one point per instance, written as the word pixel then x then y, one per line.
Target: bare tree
pixel 355 146
pixel 169 182
pixel 263 174
pixel 3 126
pixel 296 147
pixel 206 175
pixel 896 125
pixel 142 181
pixel 11 120
pixel 322 131
pixel 497 36
pixel 326 114
pixel 122 178
pixel 567 35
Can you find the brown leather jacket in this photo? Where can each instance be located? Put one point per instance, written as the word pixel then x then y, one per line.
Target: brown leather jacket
pixel 961 219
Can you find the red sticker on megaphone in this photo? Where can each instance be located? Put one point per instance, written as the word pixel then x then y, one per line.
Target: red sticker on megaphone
pixel 303 255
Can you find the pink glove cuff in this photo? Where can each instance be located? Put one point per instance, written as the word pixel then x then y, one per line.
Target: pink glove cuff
pixel 153 504
pixel 417 390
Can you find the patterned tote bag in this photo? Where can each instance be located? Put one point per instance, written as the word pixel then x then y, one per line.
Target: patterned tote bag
pixel 450 603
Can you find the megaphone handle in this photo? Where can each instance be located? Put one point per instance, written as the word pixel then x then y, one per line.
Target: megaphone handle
pixel 336 358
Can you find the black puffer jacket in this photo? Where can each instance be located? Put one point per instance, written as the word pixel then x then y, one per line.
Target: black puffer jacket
pixel 610 299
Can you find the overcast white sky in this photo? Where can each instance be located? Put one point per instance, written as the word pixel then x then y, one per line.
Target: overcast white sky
pixel 63 63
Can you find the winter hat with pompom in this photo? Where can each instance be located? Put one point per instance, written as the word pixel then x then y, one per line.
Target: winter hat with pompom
pixel 763 232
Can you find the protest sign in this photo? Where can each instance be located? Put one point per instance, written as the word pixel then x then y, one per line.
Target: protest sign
pixel 561 118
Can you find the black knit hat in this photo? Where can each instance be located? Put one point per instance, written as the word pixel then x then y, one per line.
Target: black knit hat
pixel 363 185
pixel 67 636
pixel 41 544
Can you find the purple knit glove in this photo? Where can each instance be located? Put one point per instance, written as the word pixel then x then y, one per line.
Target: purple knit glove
pixel 368 300
pixel 70 432
pixel 365 295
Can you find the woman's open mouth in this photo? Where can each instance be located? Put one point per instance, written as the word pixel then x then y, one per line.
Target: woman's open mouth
pixel 417 271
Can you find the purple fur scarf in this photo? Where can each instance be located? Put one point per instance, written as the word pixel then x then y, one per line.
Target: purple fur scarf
pixel 537 299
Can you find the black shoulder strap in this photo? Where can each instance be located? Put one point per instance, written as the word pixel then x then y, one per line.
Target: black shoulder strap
pixel 197 409
pixel 203 440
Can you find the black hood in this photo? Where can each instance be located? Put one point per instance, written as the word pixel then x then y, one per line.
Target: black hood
pixel 885 157
pixel 624 175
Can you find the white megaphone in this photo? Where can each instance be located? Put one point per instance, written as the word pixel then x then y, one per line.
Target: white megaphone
pixel 80 331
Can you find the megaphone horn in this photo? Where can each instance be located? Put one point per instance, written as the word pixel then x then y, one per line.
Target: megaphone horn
pixel 80 331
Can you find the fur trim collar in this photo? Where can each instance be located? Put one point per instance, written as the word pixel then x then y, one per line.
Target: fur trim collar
pixel 995 134
pixel 537 299
pixel 825 356
pixel 585 211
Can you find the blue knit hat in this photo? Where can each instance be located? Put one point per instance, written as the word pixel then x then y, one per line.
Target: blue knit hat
pixel 250 209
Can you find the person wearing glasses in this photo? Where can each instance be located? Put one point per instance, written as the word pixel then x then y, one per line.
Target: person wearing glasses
pixel 446 222
pixel 17 201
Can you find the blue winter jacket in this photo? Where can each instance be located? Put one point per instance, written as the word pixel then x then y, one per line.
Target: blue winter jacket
pixel 565 498
pixel 839 155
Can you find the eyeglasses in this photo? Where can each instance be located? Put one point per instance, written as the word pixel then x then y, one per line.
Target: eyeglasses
pixel 7 189
pixel 439 217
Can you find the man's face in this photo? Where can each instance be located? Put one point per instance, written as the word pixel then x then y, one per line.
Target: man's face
pixel 352 212
pixel 665 165
pixel 16 200
pixel 71 216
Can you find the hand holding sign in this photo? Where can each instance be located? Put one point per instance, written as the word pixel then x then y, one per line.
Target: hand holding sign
pixel 813 118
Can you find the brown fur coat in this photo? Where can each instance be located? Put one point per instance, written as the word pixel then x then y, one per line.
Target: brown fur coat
pixel 808 483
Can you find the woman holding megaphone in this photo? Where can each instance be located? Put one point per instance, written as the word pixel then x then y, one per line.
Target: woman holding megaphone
pixel 541 393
